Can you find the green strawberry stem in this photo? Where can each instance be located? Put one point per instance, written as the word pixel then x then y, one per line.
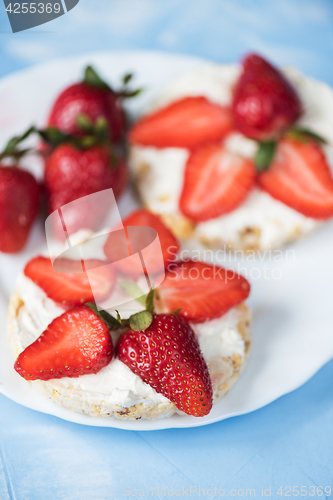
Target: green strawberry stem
pixel 304 134
pixel 267 149
pixel 92 78
pixel 265 154
pixel 134 291
pixel 11 149
pixel 138 322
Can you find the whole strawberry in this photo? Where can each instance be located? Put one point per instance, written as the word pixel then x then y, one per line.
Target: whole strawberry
pixel 264 103
pixel 72 171
pixel 19 205
pixel 167 356
pixel 76 343
pixel 93 98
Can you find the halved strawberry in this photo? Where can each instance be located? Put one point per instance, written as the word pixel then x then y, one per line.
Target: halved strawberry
pixel 186 123
pixel 76 343
pixel 167 356
pixel 301 178
pixel 116 248
pixel 264 102
pixel 71 288
pixel 216 182
pixel 202 291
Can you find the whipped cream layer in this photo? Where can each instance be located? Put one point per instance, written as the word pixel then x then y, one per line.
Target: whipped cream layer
pixel 116 383
pixel 162 170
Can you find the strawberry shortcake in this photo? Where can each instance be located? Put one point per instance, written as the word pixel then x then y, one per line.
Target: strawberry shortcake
pixel 238 156
pixel 178 349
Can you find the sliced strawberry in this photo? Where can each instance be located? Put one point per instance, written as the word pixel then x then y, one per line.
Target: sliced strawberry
pixel 202 291
pixel 76 343
pixel 216 182
pixel 300 177
pixel 186 123
pixel 167 356
pixel 264 102
pixel 115 249
pixel 71 288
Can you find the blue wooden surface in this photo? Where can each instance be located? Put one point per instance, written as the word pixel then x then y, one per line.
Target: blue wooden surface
pixel 289 442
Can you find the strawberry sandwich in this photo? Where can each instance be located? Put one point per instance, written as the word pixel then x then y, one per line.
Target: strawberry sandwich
pixel 179 350
pixel 238 156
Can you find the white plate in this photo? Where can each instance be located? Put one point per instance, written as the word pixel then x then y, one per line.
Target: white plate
pixel 293 315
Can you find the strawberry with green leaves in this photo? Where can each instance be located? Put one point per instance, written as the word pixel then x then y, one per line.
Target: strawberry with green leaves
pixel 95 99
pixel 80 166
pixel 166 355
pixel 163 351
pixel 19 198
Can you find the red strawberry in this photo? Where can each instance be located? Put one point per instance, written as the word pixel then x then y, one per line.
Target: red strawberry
pixel 72 173
pixel 186 123
pixel 264 102
pixel 19 205
pixel 71 288
pixel 301 178
pixel 93 98
pixel 76 343
pixel 201 290
pixel 117 249
pixel 167 356
pixel 216 182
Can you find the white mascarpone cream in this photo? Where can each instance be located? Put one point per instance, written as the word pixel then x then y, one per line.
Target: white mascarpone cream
pixel 116 383
pixel 162 185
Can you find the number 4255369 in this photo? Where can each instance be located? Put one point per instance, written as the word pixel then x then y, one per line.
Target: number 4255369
pixel 33 8
pixel 311 491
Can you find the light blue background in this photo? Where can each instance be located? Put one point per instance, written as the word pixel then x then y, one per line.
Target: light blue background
pixel 286 443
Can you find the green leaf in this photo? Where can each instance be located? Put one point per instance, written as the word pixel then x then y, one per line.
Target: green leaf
pixel 134 291
pixel 84 123
pixel 140 321
pixel 92 78
pixel 10 148
pixel 126 94
pixel 265 154
pixel 101 128
pixel 301 134
pixel 53 136
pixel 176 311
pixel 150 301
pixel 109 320
pixel 127 78
pixel 86 142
